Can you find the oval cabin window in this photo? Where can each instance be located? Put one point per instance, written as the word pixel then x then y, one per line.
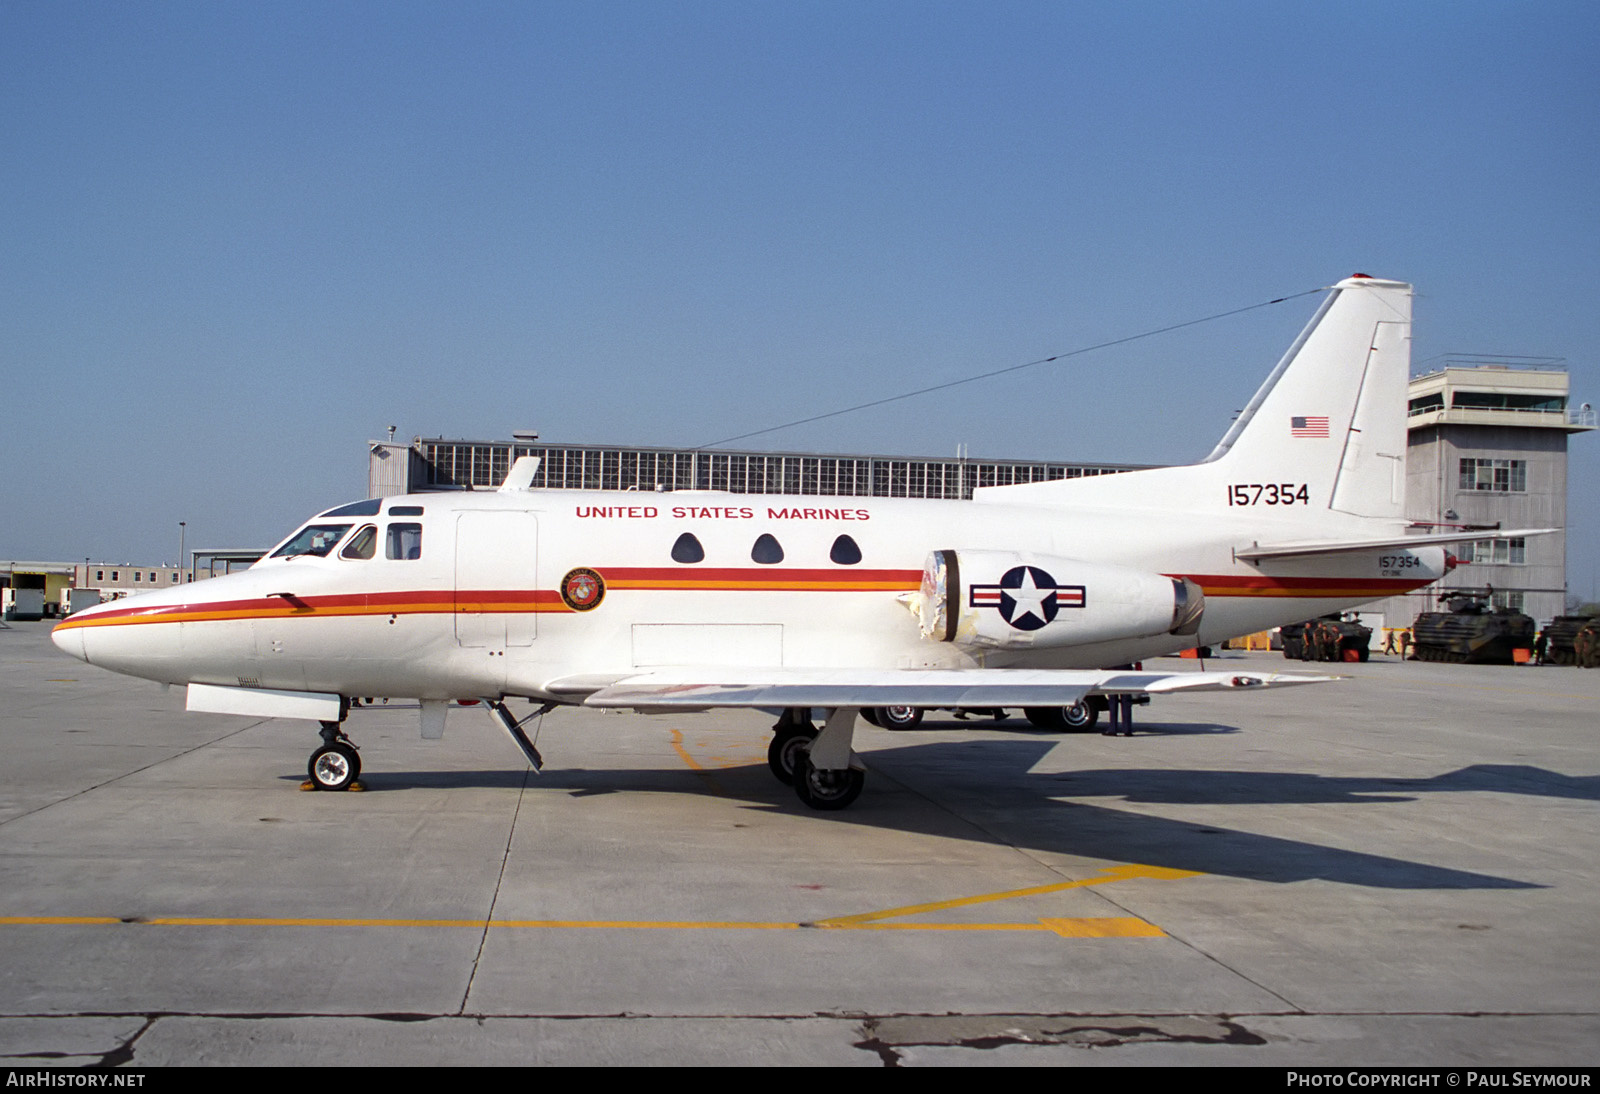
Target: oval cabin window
pixel 767 550
pixel 688 549
pixel 845 552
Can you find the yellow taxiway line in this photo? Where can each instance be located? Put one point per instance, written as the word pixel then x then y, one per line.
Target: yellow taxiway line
pixel 1081 927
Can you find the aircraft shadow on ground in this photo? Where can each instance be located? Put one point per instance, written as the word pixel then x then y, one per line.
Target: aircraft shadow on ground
pixel 1011 805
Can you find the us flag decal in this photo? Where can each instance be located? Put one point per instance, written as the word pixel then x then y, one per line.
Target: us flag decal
pixel 1308 426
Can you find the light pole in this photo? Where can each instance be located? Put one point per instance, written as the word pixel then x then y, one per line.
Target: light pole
pixel 181 529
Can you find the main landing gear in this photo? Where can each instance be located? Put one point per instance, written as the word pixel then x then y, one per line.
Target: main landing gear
pixel 1080 717
pixel 818 765
pixel 336 765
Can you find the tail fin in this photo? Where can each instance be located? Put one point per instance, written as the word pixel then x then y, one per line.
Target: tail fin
pixel 1330 421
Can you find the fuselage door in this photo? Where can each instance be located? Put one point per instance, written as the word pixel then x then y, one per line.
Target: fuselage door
pixel 495 564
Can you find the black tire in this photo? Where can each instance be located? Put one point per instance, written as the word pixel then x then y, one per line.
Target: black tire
pixel 334 767
pixel 787 747
pixel 896 717
pixel 826 790
pixel 870 715
pixel 1080 717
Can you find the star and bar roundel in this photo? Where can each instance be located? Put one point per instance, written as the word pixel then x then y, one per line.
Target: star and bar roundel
pixel 1027 597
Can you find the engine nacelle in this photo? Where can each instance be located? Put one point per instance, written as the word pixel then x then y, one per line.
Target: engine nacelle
pixel 1020 600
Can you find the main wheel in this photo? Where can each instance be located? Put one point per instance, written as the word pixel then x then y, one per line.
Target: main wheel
pixel 826 789
pixel 334 767
pixel 1080 717
pixel 897 717
pixel 787 747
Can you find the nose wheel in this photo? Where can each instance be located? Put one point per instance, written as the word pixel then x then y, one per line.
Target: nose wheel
pixel 334 766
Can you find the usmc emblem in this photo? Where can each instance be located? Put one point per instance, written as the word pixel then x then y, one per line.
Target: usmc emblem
pixel 1027 597
pixel 583 589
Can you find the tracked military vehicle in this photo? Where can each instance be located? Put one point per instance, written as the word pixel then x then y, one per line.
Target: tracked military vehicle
pixel 1560 639
pixel 1471 632
pixel 1330 638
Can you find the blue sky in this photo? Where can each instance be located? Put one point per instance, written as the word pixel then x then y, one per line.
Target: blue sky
pixel 242 239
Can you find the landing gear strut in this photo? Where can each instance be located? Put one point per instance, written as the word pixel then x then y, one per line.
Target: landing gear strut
pixel 337 764
pixel 818 765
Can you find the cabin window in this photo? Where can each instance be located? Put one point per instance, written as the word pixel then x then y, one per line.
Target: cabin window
pixel 845 552
pixel 404 541
pixel 767 550
pixel 688 549
pixel 405 510
pixel 363 544
pixel 313 539
pixel 368 508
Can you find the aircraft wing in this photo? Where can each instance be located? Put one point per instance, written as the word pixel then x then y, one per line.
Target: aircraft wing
pixel 1342 546
pixel 770 687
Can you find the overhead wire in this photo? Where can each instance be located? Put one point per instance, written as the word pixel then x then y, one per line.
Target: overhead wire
pixel 1008 369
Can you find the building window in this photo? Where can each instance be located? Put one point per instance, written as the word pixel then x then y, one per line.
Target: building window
pixel 174 577
pixel 99 575
pixel 1509 599
pixel 1496 552
pixel 1499 476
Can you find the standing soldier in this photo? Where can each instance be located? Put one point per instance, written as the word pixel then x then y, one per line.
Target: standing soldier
pixel 1583 646
pixel 1331 637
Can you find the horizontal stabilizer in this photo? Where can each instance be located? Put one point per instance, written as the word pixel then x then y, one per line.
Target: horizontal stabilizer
pixel 701 688
pixel 1346 546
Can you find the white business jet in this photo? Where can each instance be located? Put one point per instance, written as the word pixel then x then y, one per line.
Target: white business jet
pixel 691 600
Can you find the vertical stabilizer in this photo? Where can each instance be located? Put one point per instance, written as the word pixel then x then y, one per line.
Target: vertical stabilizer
pixel 1332 414
pixel 1326 431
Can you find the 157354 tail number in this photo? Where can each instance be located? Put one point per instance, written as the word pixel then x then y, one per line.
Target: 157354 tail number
pixel 1269 493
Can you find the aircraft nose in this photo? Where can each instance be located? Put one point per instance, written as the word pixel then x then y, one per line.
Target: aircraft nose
pixel 69 639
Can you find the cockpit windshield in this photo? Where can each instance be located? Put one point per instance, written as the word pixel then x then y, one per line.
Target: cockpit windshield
pixel 313 539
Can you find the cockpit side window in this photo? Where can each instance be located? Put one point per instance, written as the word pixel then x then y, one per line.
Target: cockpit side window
pixel 403 541
pixel 364 544
pixel 313 539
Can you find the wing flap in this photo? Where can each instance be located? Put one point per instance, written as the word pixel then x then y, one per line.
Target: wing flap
pixel 702 688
